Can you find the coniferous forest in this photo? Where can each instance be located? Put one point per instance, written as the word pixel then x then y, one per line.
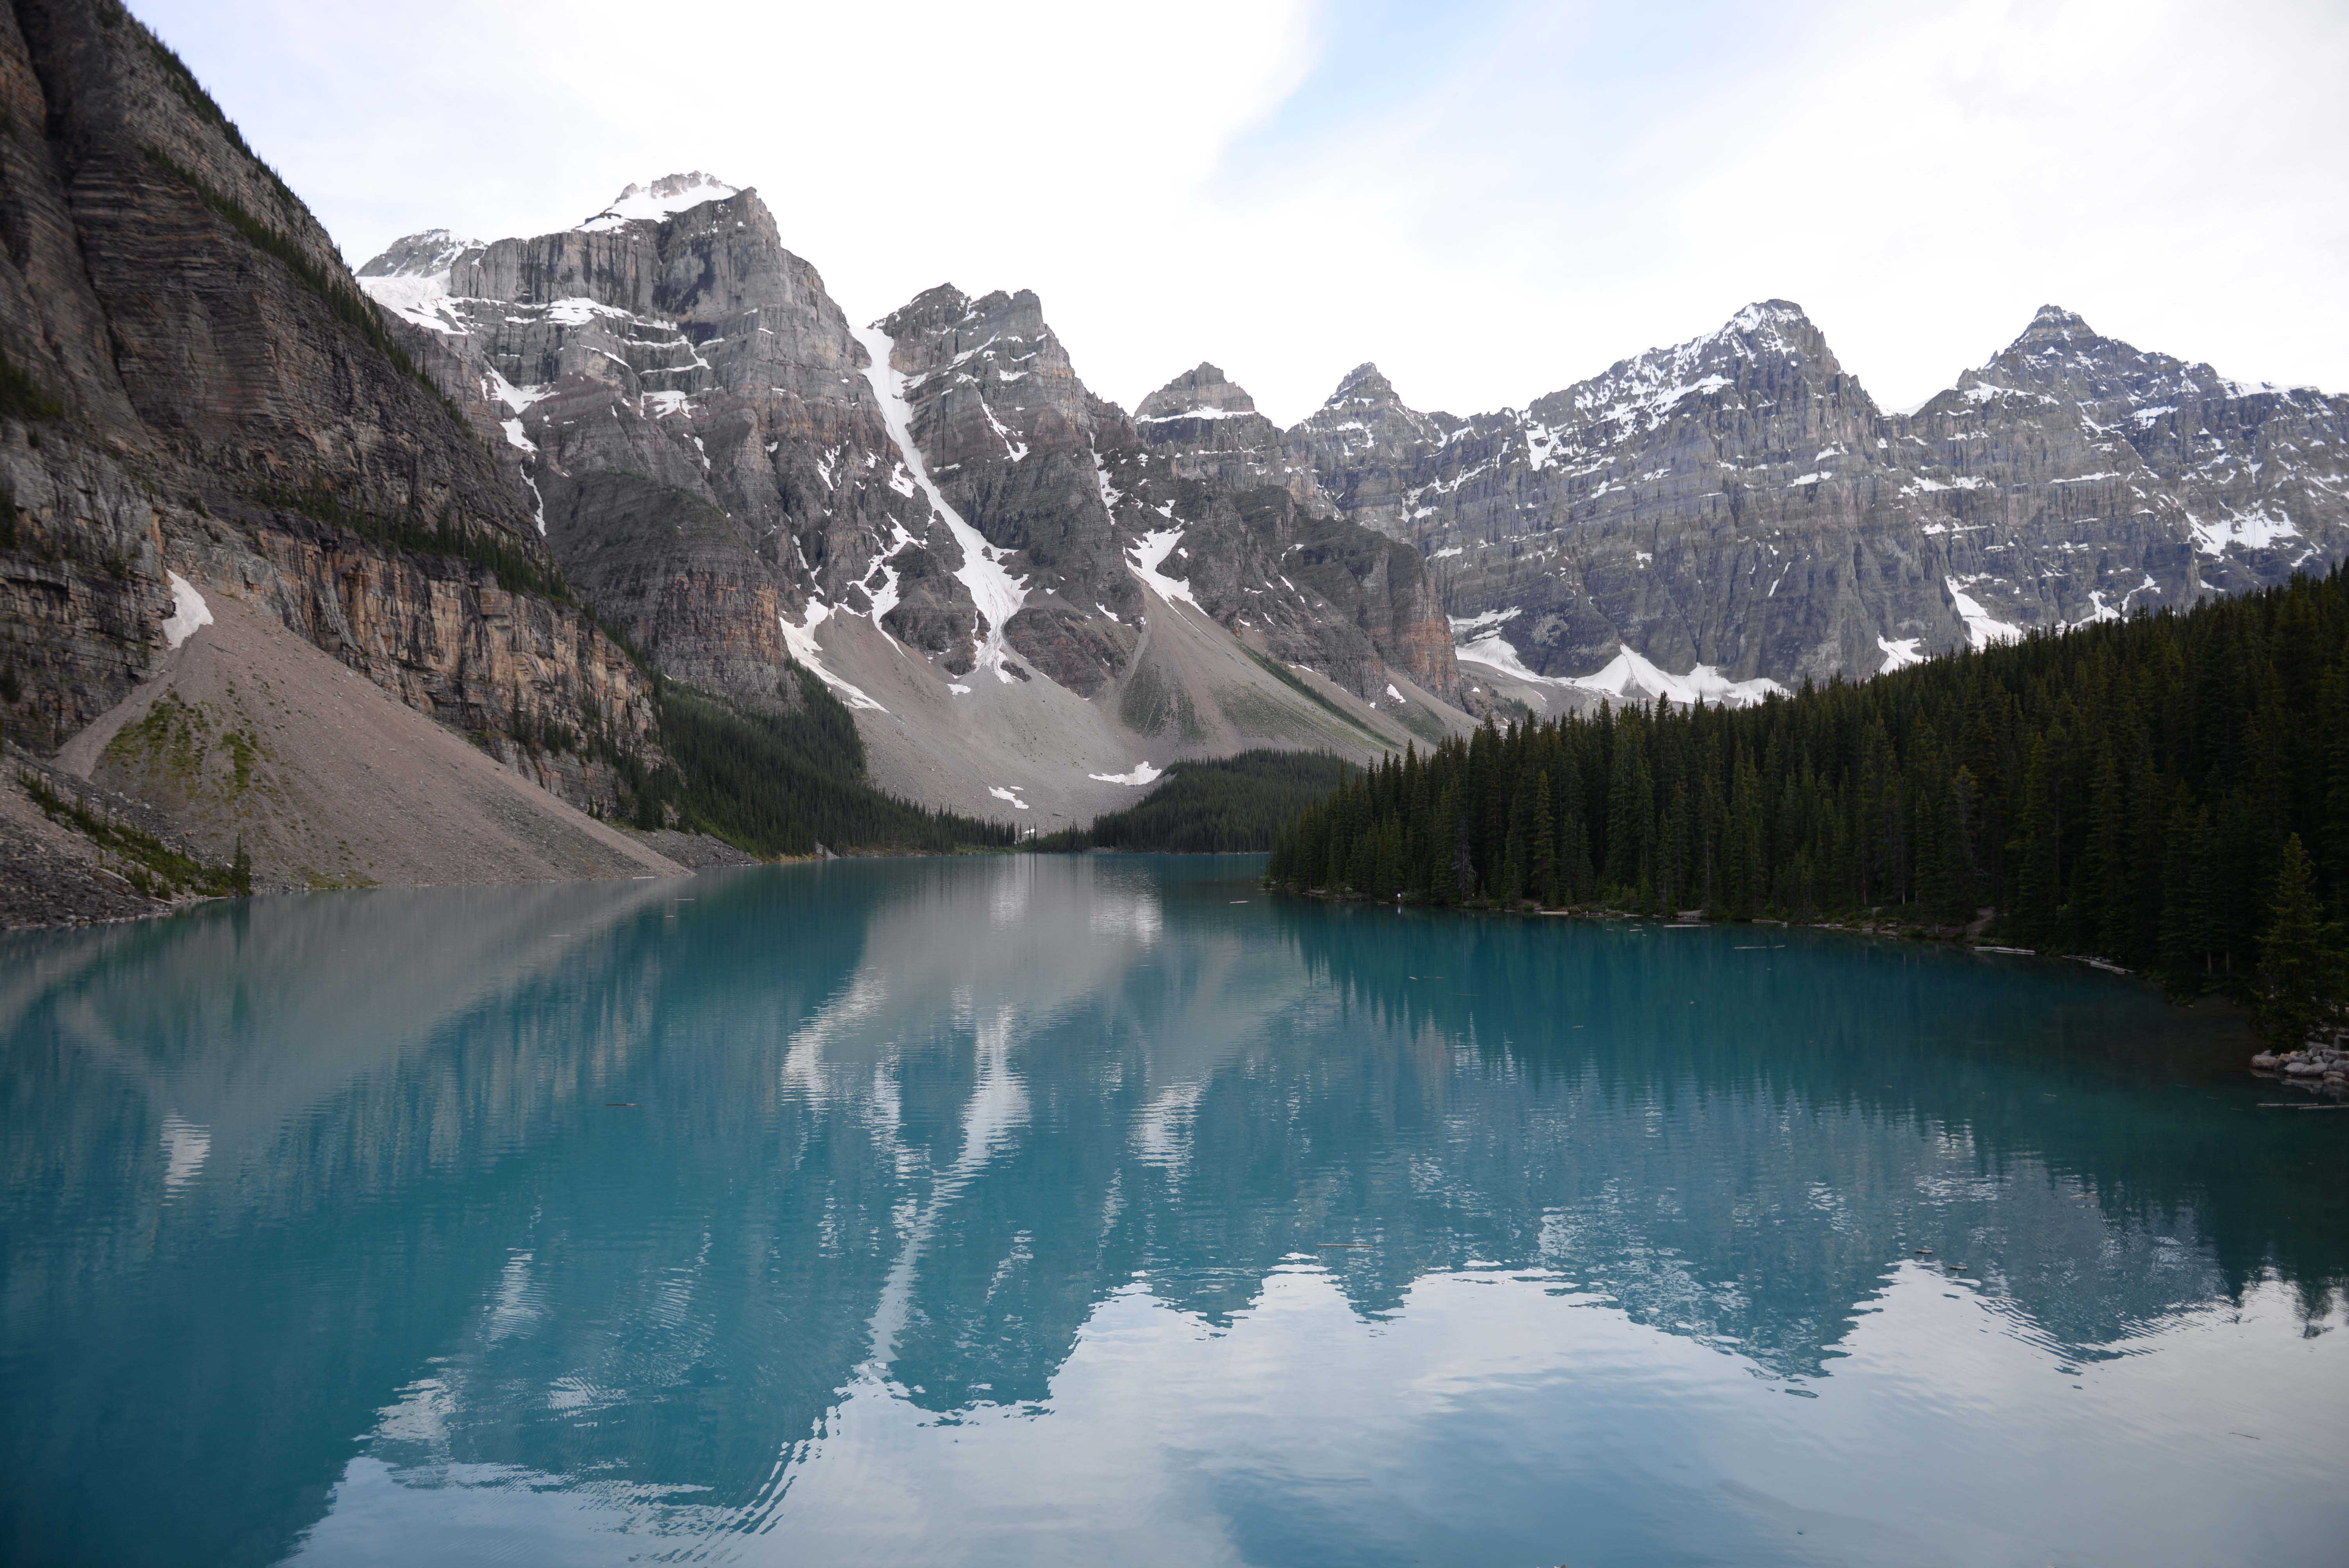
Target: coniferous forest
pixel 2152 791
pixel 782 783
pixel 1217 806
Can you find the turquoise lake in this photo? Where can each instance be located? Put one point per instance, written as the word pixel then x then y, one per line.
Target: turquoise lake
pixel 1104 1211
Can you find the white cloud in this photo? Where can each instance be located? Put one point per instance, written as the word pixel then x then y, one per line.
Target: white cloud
pixel 1492 200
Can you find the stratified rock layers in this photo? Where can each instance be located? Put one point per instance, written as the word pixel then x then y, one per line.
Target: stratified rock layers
pixel 195 380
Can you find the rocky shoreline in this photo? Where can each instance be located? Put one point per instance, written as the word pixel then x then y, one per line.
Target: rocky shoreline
pixel 2321 1066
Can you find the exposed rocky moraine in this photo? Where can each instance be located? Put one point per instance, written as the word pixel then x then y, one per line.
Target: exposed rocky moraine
pixel 210 395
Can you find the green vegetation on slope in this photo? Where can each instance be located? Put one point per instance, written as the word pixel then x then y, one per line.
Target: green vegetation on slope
pixel 781 783
pixel 1232 803
pixel 1297 684
pixel 511 563
pixel 145 862
pixel 2125 790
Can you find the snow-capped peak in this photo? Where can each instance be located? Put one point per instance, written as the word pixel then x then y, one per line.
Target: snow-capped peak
pixel 659 199
pixel 420 255
pixel 411 278
pixel 1764 312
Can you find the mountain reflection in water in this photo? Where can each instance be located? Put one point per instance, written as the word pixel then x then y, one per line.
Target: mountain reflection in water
pixel 1045 1209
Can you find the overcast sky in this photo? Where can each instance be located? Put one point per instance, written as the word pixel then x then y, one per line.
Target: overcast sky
pixel 1490 199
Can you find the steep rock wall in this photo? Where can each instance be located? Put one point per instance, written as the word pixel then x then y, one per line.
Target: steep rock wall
pixel 199 385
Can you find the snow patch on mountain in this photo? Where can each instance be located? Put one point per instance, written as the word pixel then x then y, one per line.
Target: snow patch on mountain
pixel 1202 412
pixel 995 591
pixel 2252 529
pixel 1149 553
pixel 1900 655
pixel 1628 675
pixel 1625 677
pixel 422 302
pixel 189 610
pixel 1982 628
pixel 659 199
pixel 801 640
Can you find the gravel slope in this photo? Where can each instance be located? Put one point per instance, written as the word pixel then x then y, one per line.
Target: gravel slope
pixel 246 731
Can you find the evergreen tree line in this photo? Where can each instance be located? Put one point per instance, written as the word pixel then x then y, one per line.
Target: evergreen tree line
pixel 780 783
pixel 2144 790
pixel 1230 804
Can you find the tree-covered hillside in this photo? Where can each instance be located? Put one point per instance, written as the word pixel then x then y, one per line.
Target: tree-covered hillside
pixel 782 782
pixel 1228 804
pixel 2127 790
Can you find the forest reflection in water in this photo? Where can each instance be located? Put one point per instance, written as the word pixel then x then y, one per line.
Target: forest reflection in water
pixel 1020 1209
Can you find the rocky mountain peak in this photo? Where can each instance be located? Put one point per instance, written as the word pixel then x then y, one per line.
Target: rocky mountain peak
pixel 421 255
pixel 1767 314
pixel 1363 386
pixel 2060 352
pixel 663 197
pixel 1770 328
pixel 2054 331
pixel 1203 391
pixel 2056 319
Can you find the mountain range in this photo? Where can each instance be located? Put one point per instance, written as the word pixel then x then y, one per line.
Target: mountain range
pixel 513 485
pixel 1722 519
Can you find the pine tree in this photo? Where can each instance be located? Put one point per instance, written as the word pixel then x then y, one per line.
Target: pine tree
pixel 2101 882
pixel 1514 855
pixel 1463 863
pixel 1960 826
pixel 2299 981
pixel 2182 883
pixel 2039 833
pixel 1541 857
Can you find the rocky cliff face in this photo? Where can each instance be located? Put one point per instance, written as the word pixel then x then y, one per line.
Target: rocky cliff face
pixel 1207 428
pixel 2085 439
pixel 722 464
pixel 682 407
pixel 196 384
pixel 1735 514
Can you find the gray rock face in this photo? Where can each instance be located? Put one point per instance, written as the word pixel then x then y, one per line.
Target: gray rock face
pixel 687 410
pixel 1362 448
pixel 2242 484
pixel 1739 503
pixel 1196 489
pixel 225 407
pixel 1208 428
pixel 702 434
pixel 721 463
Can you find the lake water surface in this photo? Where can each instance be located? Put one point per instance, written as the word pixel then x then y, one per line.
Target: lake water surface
pixel 1103 1210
